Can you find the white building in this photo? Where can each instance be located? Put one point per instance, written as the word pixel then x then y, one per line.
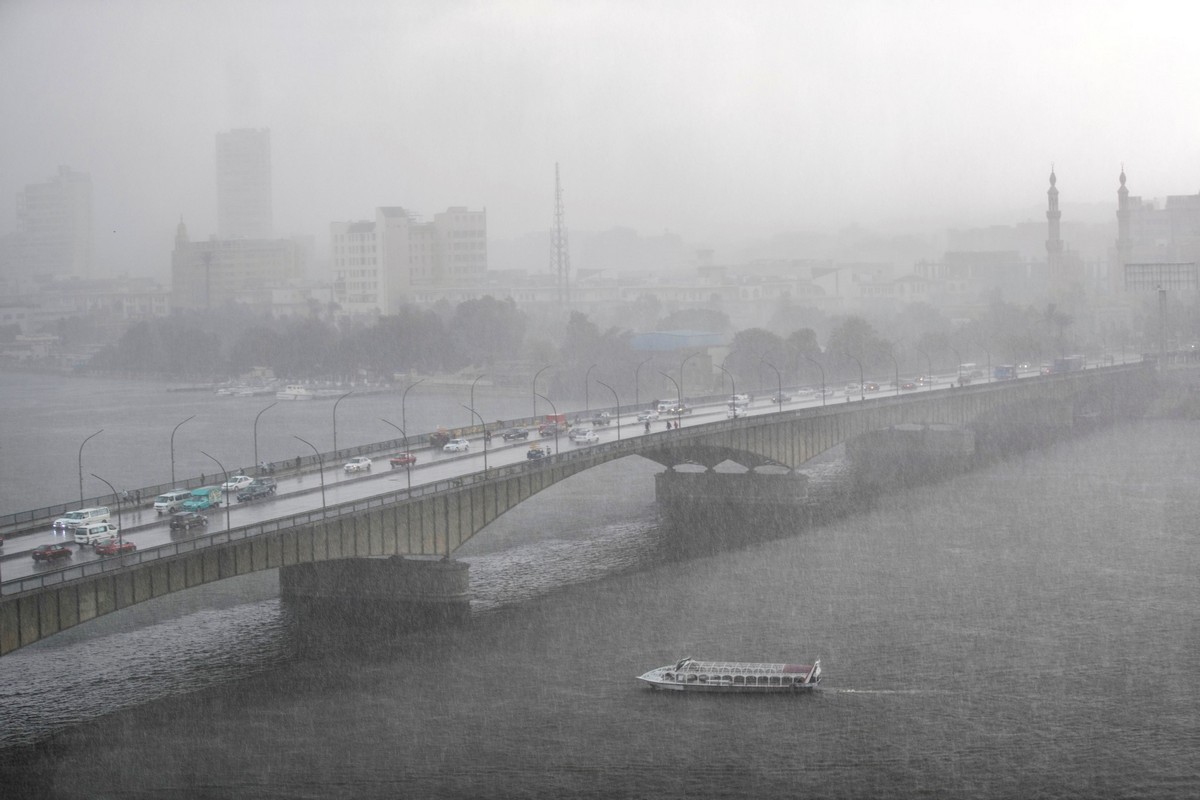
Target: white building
pixel 381 265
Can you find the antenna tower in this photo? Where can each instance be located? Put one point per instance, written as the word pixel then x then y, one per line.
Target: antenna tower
pixel 561 258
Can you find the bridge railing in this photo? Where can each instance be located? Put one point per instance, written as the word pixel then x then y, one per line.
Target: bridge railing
pixel 61 575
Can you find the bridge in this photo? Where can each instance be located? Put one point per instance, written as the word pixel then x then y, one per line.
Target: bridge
pixel 336 551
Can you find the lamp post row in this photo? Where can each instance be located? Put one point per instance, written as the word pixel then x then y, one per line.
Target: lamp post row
pixel 587 379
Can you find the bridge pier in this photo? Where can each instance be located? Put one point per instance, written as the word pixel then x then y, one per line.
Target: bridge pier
pixel 732 501
pixel 392 592
pixel 908 455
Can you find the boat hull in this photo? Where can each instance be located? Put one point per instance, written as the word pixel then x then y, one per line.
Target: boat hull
pixel 716 688
pixel 719 677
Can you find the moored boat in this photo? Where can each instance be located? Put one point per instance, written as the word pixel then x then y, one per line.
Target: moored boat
pixel 690 675
pixel 295 391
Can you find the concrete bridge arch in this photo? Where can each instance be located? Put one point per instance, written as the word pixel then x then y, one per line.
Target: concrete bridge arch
pixel 436 520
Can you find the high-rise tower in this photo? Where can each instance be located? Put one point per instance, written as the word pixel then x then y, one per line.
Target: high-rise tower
pixel 244 184
pixel 55 225
pixel 560 255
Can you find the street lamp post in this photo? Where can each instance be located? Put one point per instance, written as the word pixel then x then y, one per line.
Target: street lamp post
pixel 896 365
pixel 988 353
pixel 732 382
pixel 193 416
pixel 477 377
pixel 256 416
pixel 320 470
pixel 335 405
pixel 404 399
pixel 618 399
pixel 678 394
pixel 861 378
pixel 636 400
pixel 587 378
pixel 683 381
pixel 228 504
pixel 475 415
pixel 114 491
pixel 534 385
pixel 928 366
pixel 958 366
pixel 778 381
pixel 818 366
pixel 407 467
pixel 555 410
pixel 85 441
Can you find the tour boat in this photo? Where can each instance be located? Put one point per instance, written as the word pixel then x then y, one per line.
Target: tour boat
pixel 690 675
pixel 295 391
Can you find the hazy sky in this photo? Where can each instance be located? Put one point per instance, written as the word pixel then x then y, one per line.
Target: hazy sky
pixel 713 120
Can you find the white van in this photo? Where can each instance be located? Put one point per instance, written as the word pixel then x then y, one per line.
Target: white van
pixel 95 532
pixel 84 516
pixel 739 400
pixel 170 502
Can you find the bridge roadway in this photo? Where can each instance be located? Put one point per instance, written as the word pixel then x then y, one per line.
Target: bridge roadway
pixel 453 498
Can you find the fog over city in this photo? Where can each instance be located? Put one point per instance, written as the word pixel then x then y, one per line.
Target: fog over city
pixel 719 122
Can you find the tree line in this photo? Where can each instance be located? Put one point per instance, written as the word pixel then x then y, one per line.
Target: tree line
pixel 495 336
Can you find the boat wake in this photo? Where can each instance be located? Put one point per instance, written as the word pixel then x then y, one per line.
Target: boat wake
pixel 832 690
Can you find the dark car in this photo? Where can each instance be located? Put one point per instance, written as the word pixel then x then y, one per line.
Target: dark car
pixel 50 552
pixel 114 547
pixel 259 487
pixel 549 429
pixel 187 520
pixel 515 433
pixel 403 460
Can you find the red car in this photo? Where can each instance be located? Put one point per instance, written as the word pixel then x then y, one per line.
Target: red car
pixel 403 460
pixel 49 552
pixel 113 547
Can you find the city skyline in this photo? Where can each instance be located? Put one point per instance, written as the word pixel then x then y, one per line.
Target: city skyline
pixel 712 122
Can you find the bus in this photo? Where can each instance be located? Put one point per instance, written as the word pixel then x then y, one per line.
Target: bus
pixel 970 370
pixel 1067 364
pixel 1005 372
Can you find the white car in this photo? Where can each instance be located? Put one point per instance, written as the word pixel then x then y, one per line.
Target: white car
pixel 236 482
pixel 358 464
pixel 735 412
pixel 96 532
pixel 648 416
pixel 583 436
pixel 456 446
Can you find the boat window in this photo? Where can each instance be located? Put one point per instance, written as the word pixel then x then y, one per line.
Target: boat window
pixel 691 678
pixel 739 679
pixel 704 679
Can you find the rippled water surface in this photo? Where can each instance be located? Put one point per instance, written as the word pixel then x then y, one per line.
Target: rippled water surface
pixel 1026 630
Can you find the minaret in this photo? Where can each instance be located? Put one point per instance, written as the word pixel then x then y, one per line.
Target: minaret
pixel 1054 245
pixel 1124 246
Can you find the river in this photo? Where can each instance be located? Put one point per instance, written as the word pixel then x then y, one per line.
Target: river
pixel 1024 630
